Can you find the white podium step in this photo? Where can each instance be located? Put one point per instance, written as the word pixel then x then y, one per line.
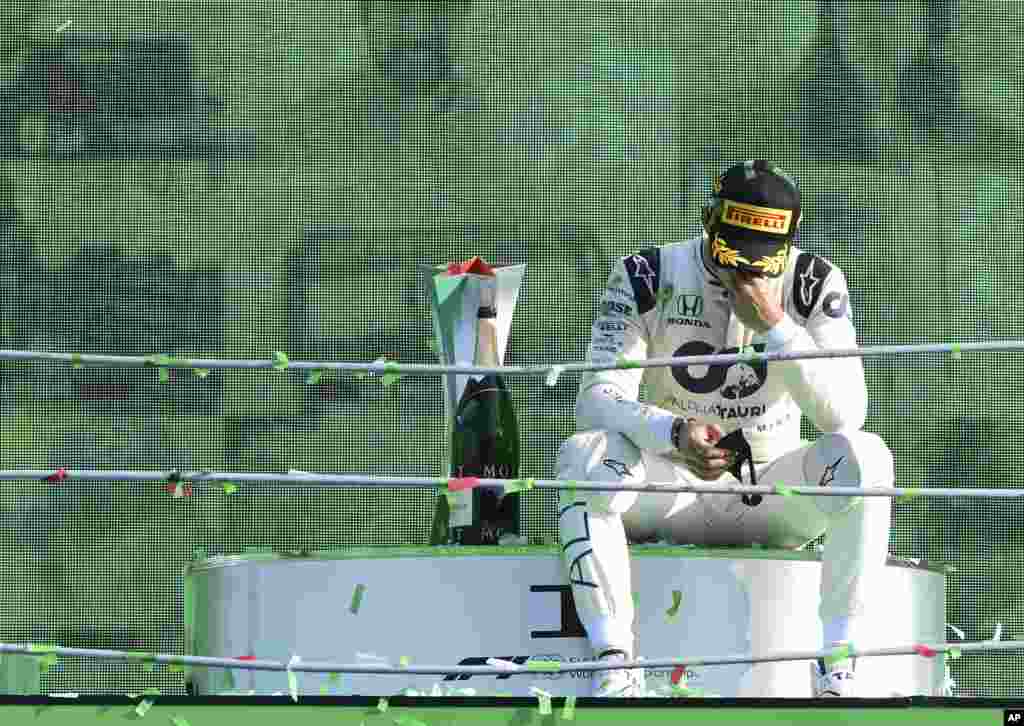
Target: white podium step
pixel 464 605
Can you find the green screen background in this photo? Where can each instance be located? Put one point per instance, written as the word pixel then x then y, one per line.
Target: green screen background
pixel 560 135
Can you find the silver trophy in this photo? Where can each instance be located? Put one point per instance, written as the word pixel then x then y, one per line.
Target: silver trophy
pixel 471 305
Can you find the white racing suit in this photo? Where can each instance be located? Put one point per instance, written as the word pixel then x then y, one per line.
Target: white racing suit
pixel 666 302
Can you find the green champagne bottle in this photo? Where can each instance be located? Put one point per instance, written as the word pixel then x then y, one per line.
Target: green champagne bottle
pixel 485 444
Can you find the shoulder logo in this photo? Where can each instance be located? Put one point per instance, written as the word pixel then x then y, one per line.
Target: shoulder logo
pixel 808 283
pixel 643 270
pixel 809 275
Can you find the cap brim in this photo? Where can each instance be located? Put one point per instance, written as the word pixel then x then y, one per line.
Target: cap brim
pixel 742 250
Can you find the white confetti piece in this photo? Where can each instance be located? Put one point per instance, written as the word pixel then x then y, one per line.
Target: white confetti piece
pixel 505 665
pixel 293 681
pixel 143 708
pixel 63 27
pixel 544 700
pixel 998 634
pixel 553 375
pixel 959 633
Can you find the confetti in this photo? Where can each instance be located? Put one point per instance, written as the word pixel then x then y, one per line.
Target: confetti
pixel 959 633
pixel 543 699
pixel 543 665
pixel 505 665
pixel 519 485
pixel 953 654
pixel 624 362
pixel 76 360
pixel 143 708
pixel 293 681
pixel 837 654
pixel 391 374
pixel 314 377
pixel 59 475
pixel 280 361
pixel 924 650
pixel 907 496
pixel 679 674
pixel 462 483
pixel 956 354
pixel 230 488
pixel 357 599
pixel 553 375
pixel 569 709
pixel 673 611
pixel 999 632
pixel 382 705
pixel 201 372
pixel 180 721
pixel 784 490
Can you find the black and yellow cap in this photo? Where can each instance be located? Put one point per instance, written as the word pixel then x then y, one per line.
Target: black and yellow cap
pixel 758 213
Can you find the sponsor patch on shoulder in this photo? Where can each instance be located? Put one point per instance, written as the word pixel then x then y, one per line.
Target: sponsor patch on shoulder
pixel 809 277
pixel 644 270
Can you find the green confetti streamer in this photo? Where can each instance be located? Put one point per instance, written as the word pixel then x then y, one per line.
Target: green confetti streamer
pixel 403 661
pixel 784 490
pixel 334 678
pixel 161 360
pixel 165 375
pixel 952 654
pixel 907 496
pixel 323 690
pixel 956 354
pixel 382 705
pixel 141 655
pixel 543 701
pixel 314 377
pixel 624 362
pixel 280 361
pixel 76 360
pixel 229 680
pixel 143 708
pixel 175 668
pixel 293 686
pixel 230 488
pixel 677 600
pixel 357 599
pixel 519 485
pixel 569 709
pixel 180 721
pixel 391 374
pixel 749 354
pixel 201 372
pixel 841 652
pixel 46 662
pixel 636 600
pixel 543 665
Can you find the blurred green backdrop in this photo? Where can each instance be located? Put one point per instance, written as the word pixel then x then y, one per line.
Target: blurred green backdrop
pixel 321 150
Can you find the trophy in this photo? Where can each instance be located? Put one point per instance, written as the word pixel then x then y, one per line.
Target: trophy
pixel 471 305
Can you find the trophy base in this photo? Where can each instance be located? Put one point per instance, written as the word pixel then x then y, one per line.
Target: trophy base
pixel 496 517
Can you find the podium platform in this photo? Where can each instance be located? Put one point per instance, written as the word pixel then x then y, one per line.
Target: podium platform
pixel 463 605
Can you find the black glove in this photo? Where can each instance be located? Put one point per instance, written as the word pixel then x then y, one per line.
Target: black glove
pixel 737 443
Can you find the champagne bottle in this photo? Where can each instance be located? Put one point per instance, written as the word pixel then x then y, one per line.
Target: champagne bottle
pixel 485 444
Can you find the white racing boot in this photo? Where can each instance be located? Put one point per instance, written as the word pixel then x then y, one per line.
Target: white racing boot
pixel 835 680
pixel 619 683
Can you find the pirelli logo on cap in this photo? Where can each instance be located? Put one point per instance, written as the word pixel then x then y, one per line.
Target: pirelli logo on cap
pixel 759 219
